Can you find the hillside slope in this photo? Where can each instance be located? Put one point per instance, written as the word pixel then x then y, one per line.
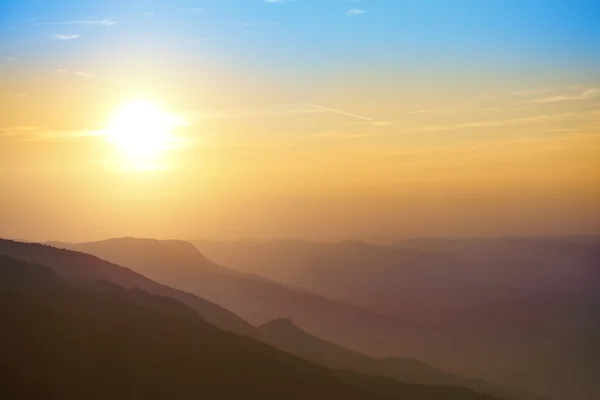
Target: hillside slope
pixel 96 340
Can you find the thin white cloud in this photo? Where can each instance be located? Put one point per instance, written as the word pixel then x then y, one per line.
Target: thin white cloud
pixel 333 135
pixel 37 133
pixel 270 111
pixel 383 123
pixel 18 130
pixel 66 36
pixel 83 74
pixel 91 21
pixel 525 120
pixel 586 94
pixel 333 110
pixel 15 94
pixel 354 12
pixel 457 107
pixel 371 121
pixel 426 111
pixel 78 73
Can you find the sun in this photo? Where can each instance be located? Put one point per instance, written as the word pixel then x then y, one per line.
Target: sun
pixel 142 131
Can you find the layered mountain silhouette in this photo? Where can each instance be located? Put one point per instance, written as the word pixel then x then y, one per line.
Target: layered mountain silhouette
pixel 77 265
pixel 65 339
pixel 283 334
pixel 519 311
pixel 257 300
pixel 429 277
pixel 89 267
pixel 533 340
pixel 553 315
pixel 550 258
pixel 395 281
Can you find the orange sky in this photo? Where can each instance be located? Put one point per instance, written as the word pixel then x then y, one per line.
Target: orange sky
pixel 373 150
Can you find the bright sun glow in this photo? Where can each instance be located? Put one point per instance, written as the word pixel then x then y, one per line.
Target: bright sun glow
pixel 142 131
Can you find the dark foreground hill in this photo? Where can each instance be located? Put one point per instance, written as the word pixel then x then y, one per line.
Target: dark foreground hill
pixel 96 340
pixel 73 264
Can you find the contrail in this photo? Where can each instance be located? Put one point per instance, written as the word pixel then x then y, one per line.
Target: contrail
pixel 333 110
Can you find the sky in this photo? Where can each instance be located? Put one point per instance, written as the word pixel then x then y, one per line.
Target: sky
pixel 312 119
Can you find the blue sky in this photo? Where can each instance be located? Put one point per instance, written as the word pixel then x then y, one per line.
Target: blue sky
pixel 430 53
pixel 303 32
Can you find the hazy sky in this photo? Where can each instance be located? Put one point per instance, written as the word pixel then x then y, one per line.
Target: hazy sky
pixel 317 119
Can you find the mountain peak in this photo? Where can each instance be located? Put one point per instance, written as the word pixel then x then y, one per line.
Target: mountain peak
pixel 280 323
pixel 114 249
pixel 284 328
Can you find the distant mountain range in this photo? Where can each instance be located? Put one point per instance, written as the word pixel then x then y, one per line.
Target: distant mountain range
pixel 422 278
pixel 520 311
pixel 284 335
pixel 65 339
pixel 257 300
pixel 80 266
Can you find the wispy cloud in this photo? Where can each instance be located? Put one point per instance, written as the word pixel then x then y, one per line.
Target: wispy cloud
pixel 270 111
pixel 15 94
pixel 371 121
pixel 78 73
pixel 426 111
pixel 354 12
pixel 586 94
pixel 454 108
pixel 66 36
pixel 37 133
pixel 84 74
pixel 18 130
pixel 336 111
pixel 90 21
pixel 382 123
pixel 334 135
pixel 513 121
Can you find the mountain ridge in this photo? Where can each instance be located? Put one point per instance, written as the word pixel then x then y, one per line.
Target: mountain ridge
pixel 282 333
pixel 86 266
pixel 101 340
pixel 252 333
